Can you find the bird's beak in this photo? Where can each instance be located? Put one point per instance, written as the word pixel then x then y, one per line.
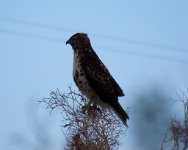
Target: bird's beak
pixel 68 42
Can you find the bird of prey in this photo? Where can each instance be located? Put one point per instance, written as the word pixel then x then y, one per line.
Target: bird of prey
pixel 93 78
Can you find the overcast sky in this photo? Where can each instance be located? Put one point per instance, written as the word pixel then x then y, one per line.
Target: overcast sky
pixel 144 43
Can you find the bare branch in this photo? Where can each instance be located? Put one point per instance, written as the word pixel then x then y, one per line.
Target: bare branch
pixel 177 135
pixel 89 129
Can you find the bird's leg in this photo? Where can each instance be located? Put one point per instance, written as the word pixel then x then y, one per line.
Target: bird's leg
pixel 86 107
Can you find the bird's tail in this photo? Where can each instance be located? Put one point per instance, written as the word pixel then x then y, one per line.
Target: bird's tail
pixel 120 112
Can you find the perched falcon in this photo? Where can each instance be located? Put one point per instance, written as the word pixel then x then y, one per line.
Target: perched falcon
pixel 93 78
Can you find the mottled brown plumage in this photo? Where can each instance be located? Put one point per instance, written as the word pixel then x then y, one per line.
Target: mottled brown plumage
pixel 93 78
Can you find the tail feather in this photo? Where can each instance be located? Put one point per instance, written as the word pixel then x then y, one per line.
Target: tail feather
pixel 120 112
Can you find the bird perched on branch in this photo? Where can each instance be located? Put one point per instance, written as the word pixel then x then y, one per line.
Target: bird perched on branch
pixel 93 78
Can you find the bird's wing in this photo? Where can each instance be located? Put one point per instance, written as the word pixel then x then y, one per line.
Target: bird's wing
pixel 100 79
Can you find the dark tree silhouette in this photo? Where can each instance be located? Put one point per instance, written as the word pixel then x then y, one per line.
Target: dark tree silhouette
pixel 150 118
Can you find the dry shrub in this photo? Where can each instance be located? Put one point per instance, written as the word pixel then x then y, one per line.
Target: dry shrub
pixel 88 128
pixel 176 137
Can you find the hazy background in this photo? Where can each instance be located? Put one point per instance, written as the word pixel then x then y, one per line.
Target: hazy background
pixel 144 43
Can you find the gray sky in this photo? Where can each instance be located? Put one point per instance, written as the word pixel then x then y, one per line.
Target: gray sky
pixel 142 42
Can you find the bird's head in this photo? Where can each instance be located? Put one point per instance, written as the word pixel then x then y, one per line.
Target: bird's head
pixel 79 41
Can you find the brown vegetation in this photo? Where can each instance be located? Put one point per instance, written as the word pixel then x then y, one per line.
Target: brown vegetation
pixel 88 127
pixel 177 136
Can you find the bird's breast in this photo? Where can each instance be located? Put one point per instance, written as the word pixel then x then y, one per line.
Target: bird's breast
pixel 78 74
pixel 81 79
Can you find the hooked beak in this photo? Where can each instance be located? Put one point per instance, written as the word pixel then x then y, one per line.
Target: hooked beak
pixel 68 42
